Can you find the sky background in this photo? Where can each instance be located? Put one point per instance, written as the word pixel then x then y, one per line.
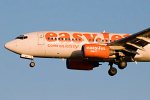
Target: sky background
pixel 50 79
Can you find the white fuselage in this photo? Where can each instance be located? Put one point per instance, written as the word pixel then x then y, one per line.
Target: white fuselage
pixel 66 44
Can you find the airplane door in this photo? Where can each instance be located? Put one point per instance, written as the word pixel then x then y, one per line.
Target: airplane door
pixel 40 39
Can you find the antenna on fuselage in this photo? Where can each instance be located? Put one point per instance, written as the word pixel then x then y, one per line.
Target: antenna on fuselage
pixel 104 31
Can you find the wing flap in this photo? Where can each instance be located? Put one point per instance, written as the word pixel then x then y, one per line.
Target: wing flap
pixel 136 46
pixel 144 38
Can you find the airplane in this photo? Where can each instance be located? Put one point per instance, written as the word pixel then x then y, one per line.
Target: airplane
pixel 84 50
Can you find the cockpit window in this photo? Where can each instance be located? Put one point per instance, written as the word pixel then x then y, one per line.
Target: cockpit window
pixel 22 37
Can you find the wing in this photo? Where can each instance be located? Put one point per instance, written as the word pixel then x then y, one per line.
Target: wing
pixel 130 44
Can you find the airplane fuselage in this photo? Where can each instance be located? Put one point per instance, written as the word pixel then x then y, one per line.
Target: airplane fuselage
pixel 66 44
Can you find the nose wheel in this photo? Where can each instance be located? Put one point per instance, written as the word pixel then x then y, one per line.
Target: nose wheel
pixel 32 64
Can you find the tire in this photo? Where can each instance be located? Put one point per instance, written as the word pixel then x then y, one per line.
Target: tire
pixel 112 71
pixel 122 65
pixel 32 64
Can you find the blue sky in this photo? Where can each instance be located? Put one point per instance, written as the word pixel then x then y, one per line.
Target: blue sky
pixel 50 79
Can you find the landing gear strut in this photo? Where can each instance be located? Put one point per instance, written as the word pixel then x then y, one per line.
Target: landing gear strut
pixel 32 64
pixel 112 71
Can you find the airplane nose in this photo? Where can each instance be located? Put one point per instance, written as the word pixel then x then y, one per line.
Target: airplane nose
pixel 9 46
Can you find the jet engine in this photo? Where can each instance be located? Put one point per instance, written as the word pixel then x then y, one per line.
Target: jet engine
pixel 77 64
pixel 94 50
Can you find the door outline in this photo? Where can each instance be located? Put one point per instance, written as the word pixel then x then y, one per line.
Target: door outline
pixel 40 38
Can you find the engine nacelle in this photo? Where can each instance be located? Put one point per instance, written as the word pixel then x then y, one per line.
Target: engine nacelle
pixel 80 64
pixel 94 50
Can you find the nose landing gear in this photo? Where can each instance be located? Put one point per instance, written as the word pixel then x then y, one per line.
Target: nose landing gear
pixel 32 64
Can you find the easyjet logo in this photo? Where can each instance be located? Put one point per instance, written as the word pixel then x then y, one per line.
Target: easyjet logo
pixel 96 48
pixel 78 37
